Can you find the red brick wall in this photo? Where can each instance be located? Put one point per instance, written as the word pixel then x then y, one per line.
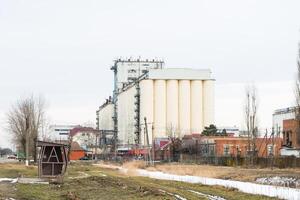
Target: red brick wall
pixel 234 145
pixel 290 127
pixel 240 145
pixel 263 143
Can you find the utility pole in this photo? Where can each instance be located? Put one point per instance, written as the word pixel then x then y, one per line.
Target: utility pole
pixel 153 145
pixel 147 138
pixel 272 153
pixel 27 140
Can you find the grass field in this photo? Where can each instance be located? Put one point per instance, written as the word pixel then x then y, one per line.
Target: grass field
pixel 85 181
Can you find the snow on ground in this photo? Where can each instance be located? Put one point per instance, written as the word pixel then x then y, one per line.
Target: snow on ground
pixel 246 187
pixel 210 197
pixel 280 181
pixel 9 180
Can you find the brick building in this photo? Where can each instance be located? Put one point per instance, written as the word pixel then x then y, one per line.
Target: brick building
pixel 239 146
pixel 291 134
pixel 230 146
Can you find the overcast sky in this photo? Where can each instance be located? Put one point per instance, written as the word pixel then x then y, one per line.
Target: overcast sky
pixel 63 50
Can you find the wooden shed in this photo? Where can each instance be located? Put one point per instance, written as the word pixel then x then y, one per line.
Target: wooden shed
pixel 53 159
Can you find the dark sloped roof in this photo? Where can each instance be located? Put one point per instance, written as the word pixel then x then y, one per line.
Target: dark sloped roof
pixel 76 130
pixel 76 147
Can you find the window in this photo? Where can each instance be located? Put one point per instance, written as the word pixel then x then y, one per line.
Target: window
pixel 131 71
pixel 270 150
pixel 131 79
pixel 144 71
pixel 226 150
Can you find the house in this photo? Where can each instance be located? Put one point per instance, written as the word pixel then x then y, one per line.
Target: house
pixel 240 146
pixel 76 152
pixel 230 146
pixel 87 138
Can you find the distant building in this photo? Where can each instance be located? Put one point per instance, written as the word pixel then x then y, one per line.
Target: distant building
pixel 174 101
pixel 86 137
pixel 291 138
pixel 76 151
pixel 129 70
pixel 231 131
pixel 60 133
pixel 280 115
pixel 239 146
pixel 231 146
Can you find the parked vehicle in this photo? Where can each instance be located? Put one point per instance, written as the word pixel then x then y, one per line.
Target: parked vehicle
pixel 20 156
pixel 13 157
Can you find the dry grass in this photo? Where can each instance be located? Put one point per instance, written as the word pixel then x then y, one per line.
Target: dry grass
pixel 193 170
pixel 14 170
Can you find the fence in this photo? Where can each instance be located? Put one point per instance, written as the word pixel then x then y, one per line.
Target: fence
pixel 279 162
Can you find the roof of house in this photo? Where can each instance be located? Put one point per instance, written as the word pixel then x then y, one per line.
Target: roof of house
pixel 45 143
pixel 76 147
pixel 76 130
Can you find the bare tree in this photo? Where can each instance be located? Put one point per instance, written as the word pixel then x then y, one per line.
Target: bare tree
pixel 25 120
pixel 251 119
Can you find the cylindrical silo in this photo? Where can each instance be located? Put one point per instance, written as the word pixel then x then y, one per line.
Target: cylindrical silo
pixel 184 107
pixel 146 107
pixel 160 109
pixel 172 106
pixel 121 115
pixel 196 107
pixel 208 102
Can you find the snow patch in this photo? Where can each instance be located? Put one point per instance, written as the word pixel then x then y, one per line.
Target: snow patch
pixel 246 187
pixel 9 180
pixel 280 181
pixel 174 195
pixel 210 197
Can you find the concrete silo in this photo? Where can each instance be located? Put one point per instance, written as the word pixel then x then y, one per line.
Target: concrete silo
pixel 172 106
pixel 208 102
pixel 184 107
pixel 105 117
pixel 196 106
pixel 176 102
pixel 160 100
pixel 126 114
pixel 147 106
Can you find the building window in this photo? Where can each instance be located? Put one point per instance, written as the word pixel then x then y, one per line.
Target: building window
pixel 144 71
pixel 270 150
pixel 226 150
pixel 131 71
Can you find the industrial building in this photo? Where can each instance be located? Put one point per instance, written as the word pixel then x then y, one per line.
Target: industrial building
pixel 152 102
pixel 280 115
pixel 60 133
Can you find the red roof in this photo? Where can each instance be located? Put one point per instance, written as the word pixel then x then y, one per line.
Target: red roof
pixel 76 130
